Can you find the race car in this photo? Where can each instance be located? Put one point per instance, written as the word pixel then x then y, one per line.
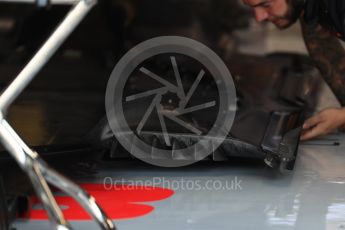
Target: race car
pixel 62 116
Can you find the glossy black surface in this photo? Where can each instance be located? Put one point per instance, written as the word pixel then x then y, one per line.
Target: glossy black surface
pixel 64 104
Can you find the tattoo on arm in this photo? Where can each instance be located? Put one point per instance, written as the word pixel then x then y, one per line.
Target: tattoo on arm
pixel 329 56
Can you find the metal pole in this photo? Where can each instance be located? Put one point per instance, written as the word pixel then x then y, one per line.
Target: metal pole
pixel 37 170
pixel 74 17
pixel 27 163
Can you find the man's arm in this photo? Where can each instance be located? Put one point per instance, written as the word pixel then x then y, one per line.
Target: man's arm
pixel 329 56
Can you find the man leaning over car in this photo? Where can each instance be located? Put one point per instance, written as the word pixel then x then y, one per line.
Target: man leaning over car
pixel 323 23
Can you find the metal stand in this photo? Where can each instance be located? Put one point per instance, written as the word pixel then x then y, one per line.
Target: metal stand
pixel 37 170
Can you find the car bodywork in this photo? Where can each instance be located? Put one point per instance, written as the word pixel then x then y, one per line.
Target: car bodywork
pixel 62 113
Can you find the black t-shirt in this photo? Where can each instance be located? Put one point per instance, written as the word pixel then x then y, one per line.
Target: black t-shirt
pixel 328 13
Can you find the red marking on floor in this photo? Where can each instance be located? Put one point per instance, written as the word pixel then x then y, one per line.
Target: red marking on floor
pixel 120 202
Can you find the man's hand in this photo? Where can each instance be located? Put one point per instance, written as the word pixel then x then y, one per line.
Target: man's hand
pixel 323 123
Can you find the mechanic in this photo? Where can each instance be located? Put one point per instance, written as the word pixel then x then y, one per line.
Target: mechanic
pixel 323 24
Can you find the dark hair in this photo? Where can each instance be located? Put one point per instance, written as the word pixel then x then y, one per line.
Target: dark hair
pixel 297 7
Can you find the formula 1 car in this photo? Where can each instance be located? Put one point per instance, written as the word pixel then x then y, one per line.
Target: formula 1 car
pixel 61 114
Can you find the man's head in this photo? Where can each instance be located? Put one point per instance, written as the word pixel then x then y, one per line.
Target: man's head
pixel 282 13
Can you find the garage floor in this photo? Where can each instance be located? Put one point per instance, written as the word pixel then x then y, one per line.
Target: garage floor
pixel 232 195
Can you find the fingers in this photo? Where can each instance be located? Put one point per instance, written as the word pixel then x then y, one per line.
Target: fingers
pixel 313 132
pixel 313 127
pixel 312 122
pixel 323 123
